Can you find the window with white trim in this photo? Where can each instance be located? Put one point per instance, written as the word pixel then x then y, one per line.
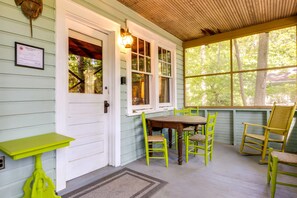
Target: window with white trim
pixel 141 71
pixel 150 72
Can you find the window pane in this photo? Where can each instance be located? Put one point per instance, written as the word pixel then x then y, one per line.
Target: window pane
pixel 245 52
pixel 160 53
pixel 208 91
pixel 160 68
pixel 262 88
pixel 141 63
pixel 134 44
pixel 168 56
pixel 164 90
pixel 148 65
pixel 84 64
pixel 164 69
pixel 140 89
pixel 206 59
pixel 141 46
pixel 168 70
pixel 265 50
pixel 147 49
pixel 282 47
pixel 164 55
pixel 134 61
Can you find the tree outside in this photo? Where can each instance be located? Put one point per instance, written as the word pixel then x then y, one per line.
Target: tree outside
pixel 263 71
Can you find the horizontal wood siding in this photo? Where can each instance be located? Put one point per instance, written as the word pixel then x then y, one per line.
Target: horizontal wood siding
pixel 27 96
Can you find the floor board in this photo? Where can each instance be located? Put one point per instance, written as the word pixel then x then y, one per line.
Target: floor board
pixel 228 175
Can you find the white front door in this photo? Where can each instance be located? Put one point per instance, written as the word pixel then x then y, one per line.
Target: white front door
pixel 87 90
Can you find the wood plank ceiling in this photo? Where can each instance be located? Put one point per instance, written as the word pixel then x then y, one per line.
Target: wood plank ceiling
pixel 192 19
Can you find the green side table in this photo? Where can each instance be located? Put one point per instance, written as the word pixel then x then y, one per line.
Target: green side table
pixel 38 185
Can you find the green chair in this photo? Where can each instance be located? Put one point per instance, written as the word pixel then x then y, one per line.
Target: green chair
pixel 202 142
pixel 189 112
pixel 274 159
pixel 154 144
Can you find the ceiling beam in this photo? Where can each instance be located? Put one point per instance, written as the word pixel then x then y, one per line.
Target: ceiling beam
pixel 255 29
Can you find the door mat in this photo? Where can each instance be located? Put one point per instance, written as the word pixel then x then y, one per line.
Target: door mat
pixel 125 183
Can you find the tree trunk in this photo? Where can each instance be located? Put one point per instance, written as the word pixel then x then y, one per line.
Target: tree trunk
pixel 260 90
pixel 237 55
pixel 80 68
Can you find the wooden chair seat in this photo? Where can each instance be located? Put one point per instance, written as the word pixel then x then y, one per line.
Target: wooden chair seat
pixel 288 158
pixel 197 137
pixel 190 128
pixel 155 138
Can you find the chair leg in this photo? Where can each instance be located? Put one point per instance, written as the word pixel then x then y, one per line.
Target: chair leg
pixel 165 152
pixel 206 154
pixel 147 154
pixel 264 151
pixel 211 152
pixel 187 149
pixel 269 167
pixel 242 143
pixel 273 176
pixel 176 140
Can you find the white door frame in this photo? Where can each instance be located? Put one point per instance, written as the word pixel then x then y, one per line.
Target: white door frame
pixel 66 9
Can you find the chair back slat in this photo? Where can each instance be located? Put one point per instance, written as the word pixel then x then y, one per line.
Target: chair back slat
pixel 281 117
pixel 181 111
pixel 211 123
pixel 194 111
pixel 187 111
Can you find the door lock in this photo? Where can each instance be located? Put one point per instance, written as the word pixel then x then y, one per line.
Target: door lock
pixel 106 105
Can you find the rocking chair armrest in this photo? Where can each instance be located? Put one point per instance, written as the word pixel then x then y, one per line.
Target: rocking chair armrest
pixel 256 125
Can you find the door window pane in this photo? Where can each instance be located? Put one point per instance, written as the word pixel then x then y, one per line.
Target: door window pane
pixel 84 64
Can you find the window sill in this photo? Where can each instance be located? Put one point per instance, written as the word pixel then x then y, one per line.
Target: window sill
pixel 149 111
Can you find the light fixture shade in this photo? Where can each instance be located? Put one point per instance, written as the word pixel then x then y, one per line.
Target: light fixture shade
pixel 127 39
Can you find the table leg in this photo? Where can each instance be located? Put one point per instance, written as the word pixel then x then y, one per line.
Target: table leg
pixel 39 185
pixel 170 137
pixel 180 145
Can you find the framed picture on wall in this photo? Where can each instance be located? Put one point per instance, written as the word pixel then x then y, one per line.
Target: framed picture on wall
pixel 29 56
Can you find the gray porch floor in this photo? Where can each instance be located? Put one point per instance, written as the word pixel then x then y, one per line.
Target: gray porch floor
pixel 229 174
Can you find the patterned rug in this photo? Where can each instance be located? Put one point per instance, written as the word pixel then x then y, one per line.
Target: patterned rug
pixel 125 183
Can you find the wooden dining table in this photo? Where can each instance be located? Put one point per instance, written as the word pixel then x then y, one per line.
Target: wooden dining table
pixel 175 122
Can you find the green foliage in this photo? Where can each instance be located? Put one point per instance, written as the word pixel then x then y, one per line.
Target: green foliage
pixel 205 85
pixel 76 66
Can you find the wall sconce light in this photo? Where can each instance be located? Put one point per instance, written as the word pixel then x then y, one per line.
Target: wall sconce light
pixel 127 39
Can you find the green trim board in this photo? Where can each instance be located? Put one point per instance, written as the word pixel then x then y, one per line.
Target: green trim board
pixel 30 146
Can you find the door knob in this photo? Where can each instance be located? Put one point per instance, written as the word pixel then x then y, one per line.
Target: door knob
pixel 106 105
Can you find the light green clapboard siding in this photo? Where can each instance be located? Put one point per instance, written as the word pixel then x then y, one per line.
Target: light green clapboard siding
pixel 27 96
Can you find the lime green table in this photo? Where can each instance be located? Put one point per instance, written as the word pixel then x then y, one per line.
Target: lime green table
pixel 39 185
